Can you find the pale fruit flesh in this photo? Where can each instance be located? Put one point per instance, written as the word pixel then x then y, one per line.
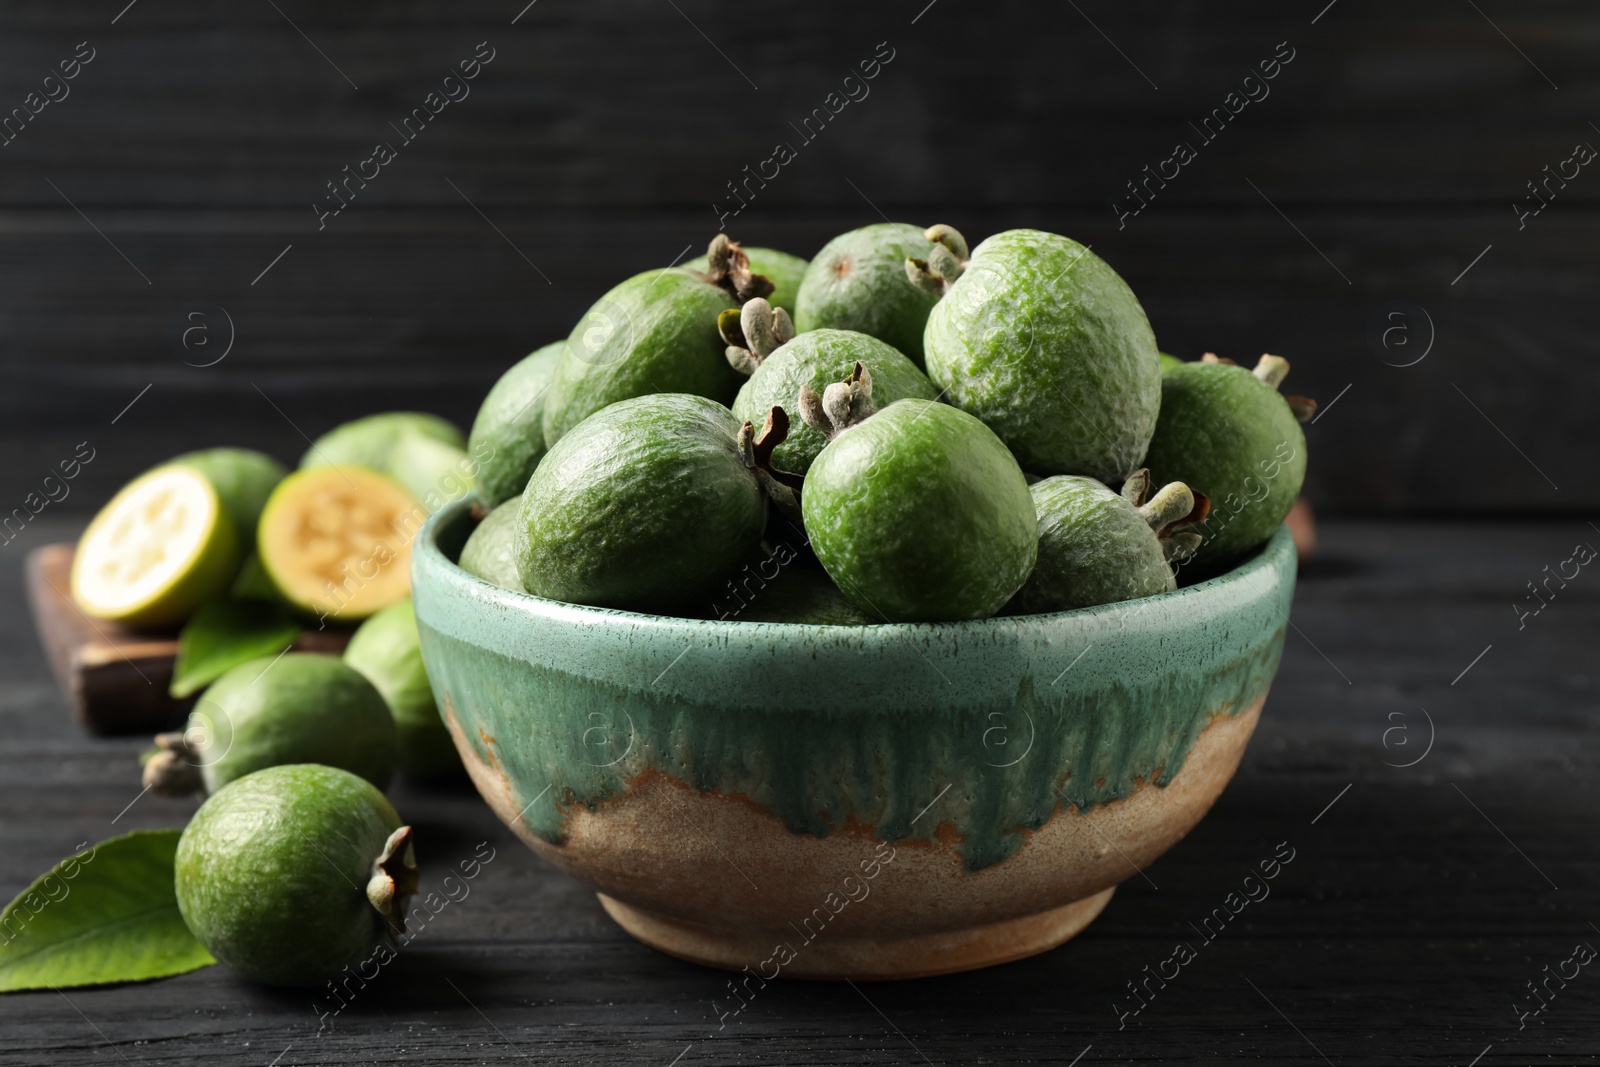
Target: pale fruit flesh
pixel 336 541
pixel 156 551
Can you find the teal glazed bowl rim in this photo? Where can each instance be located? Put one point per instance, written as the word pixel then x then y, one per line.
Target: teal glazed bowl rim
pixel 982 785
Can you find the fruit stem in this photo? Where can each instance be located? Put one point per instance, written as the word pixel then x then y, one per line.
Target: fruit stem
pixel 727 266
pixel 1271 369
pixel 753 333
pixel 946 261
pixel 1171 503
pixel 394 880
pixel 170 769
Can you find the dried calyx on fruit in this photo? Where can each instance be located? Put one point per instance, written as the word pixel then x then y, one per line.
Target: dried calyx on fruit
pixel 1170 513
pixel 945 263
pixel 840 406
pixel 753 332
pixel 728 267
pixel 394 880
pixel 756 448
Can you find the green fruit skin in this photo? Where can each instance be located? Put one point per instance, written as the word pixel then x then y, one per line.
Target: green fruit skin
pixel 1229 435
pixel 1094 548
pixel 795 594
pixel 858 282
pixel 1045 343
pixel 271 874
pixel 920 514
pixel 508 434
pixel 388 653
pixel 654 333
pixel 243 479
pixel 644 506
pixel 369 442
pixel 304 708
pixel 780 268
pixel 434 472
pixel 818 359
pixel 491 551
pixel 1168 362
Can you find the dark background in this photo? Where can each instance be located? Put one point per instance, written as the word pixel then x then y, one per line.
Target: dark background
pixel 601 134
pixel 1427 891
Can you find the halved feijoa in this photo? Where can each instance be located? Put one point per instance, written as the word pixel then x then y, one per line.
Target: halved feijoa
pixel 243 479
pixel 162 546
pixel 336 541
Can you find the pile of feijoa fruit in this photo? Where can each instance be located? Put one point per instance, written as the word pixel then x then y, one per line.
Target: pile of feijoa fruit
pixel 912 431
pixel 902 430
pixel 296 870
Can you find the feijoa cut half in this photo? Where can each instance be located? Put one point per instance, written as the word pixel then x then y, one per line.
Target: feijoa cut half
pixel 159 549
pixel 336 541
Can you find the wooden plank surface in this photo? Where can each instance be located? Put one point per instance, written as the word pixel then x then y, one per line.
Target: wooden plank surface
pixel 1384 162
pixel 1420 902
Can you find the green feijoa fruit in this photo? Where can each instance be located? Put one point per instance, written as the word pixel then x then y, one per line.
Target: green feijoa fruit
pixel 300 707
pixel 387 650
pixel 1168 362
pixel 814 360
pixel 1228 433
pixel 918 512
pixel 644 505
pixel 1043 341
pixel 654 333
pixel 780 268
pixel 491 551
pixel 370 441
pixel 243 479
pixel 295 873
pixel 858 282
pixel 793 594
pixel 434 472
pixel 1100 547
pixel 508 434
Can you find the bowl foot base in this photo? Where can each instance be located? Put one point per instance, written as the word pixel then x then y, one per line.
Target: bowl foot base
pixel 866 958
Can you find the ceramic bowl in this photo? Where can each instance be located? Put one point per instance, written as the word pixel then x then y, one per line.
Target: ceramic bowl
pixel 850 802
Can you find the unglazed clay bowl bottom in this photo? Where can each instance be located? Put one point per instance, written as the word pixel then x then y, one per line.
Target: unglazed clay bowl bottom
pixel 864 802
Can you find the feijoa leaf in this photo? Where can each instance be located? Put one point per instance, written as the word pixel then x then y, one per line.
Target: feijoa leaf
pixel 108 914
pixel 224 633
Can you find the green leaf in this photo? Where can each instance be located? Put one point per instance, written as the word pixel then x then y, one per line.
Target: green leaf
pixel 109 914
pixel 225 633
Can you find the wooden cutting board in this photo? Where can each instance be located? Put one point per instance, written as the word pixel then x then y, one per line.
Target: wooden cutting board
pixel 115 678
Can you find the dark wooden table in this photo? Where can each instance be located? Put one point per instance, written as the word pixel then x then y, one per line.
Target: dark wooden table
pixel 1421 900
